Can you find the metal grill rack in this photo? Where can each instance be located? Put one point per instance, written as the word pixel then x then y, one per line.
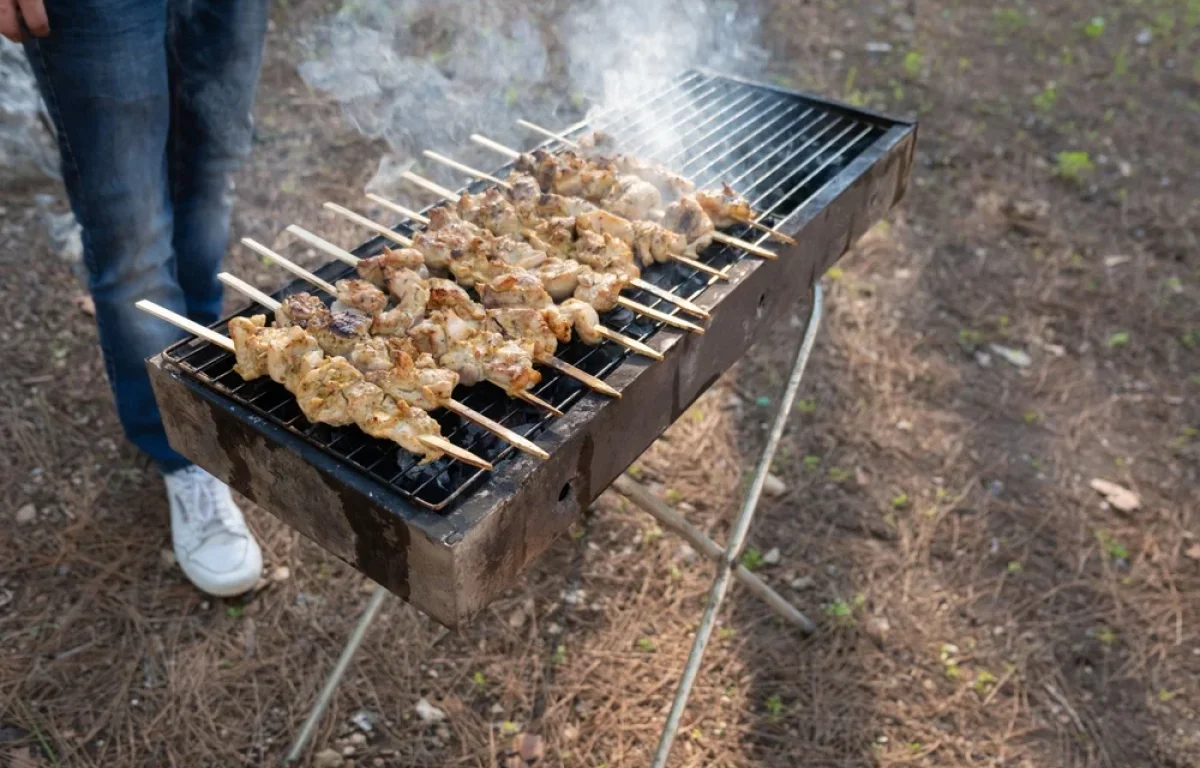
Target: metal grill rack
pixel 777 148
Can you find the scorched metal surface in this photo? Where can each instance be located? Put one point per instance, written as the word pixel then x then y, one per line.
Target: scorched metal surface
pixel 447 537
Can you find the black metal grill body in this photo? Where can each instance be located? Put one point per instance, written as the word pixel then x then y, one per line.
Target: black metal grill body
pixel 448 537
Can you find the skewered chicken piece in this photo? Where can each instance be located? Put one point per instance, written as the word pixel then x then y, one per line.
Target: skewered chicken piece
pixel 557 237
pixel 473 255
pixel 392 364
pixel 292 357
pixel 627 196
pixel 328 389
pixel 387 362
pixel 730 208
pixel 559 365
pixel 498 364
pixel 649 239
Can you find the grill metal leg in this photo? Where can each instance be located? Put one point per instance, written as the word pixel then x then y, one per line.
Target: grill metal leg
pixel 741 527
pixel 335 677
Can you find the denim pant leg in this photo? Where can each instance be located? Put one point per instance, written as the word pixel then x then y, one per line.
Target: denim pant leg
pixel 214 55
pixel 103 74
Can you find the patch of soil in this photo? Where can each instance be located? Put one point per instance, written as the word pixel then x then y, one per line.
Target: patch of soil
pixel 980 603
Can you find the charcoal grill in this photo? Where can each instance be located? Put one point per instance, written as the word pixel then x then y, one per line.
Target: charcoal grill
pixel 449 538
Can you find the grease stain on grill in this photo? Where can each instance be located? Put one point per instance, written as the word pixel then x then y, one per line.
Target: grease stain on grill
pixel 778 149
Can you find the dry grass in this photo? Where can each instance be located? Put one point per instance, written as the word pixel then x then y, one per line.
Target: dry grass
pixel 980 605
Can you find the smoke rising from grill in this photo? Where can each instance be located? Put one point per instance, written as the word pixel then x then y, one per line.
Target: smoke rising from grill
pixel 423 74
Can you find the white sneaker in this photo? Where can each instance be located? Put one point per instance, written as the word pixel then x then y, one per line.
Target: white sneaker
pixel 212 543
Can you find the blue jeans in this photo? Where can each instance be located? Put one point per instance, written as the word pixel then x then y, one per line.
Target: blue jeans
pixel 152 103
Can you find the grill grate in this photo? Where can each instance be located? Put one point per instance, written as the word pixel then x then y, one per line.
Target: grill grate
pixel 776 148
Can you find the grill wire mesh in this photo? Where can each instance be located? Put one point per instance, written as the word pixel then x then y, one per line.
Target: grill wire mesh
pixel 775 148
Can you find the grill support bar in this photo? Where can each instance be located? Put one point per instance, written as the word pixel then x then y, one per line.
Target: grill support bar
pixel 737 539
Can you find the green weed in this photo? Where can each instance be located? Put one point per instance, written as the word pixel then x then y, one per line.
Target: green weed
pixel 914 62
pixel 1045 100
pixel 1073 166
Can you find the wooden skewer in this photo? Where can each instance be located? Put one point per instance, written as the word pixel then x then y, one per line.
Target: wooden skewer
pixel 559 365
pixel 430 185
pixel 769 230
pixel 433 441
pixel 571 370
pixel 533 399
pixel 400 209
pixel 454 452
pixel 289 265
pixel 242 287
pixel 495 146
pixel 450 404
pixel 375 227
pixel 637 282
pixel 484 141
pixel 628 343
pixel 565 368
pixel 575 145
pixel 662 317
pixel 296 269
pixel 466 168
pixel 179 321
pixel 548 133
pixel 737 242
pixel 324 245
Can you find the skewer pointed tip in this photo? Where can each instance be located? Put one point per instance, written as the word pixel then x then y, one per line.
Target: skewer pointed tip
pixel 453 451
pixel 533 399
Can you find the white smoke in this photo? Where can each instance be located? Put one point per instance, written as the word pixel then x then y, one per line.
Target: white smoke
pixel 424 74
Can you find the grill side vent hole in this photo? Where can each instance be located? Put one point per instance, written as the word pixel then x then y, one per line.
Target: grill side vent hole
pixel 565 492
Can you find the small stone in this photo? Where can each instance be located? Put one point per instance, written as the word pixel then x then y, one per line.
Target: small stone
pixel 878 47
pixel 773 486
pixel 570 733
pixel 443 733
pixel 836 54
pixel 349 750
pixel 905 22
pixel 773 556
pixel 328 758
pixel 996 488
pixel 553 629
pixel 983 358
pixel 1125 168
pixel 878 627
pixel 429 713
pixel 1013 356
pixel 685 553
pixel 804 582
pixel 904 425
pixel 1118 496
pixel 358 739
pixel 1144 36
pixel 27 514
pixel 497 709
pixel 282 573
pixel 530 747
pixel 517 619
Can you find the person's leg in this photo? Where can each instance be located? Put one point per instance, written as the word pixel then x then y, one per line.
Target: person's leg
pixel 214 53
pixel 103 74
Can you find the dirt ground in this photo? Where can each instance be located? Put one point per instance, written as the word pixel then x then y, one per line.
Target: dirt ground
pixel 980 604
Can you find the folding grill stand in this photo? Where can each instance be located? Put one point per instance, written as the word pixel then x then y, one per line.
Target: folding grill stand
pixel 726 569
